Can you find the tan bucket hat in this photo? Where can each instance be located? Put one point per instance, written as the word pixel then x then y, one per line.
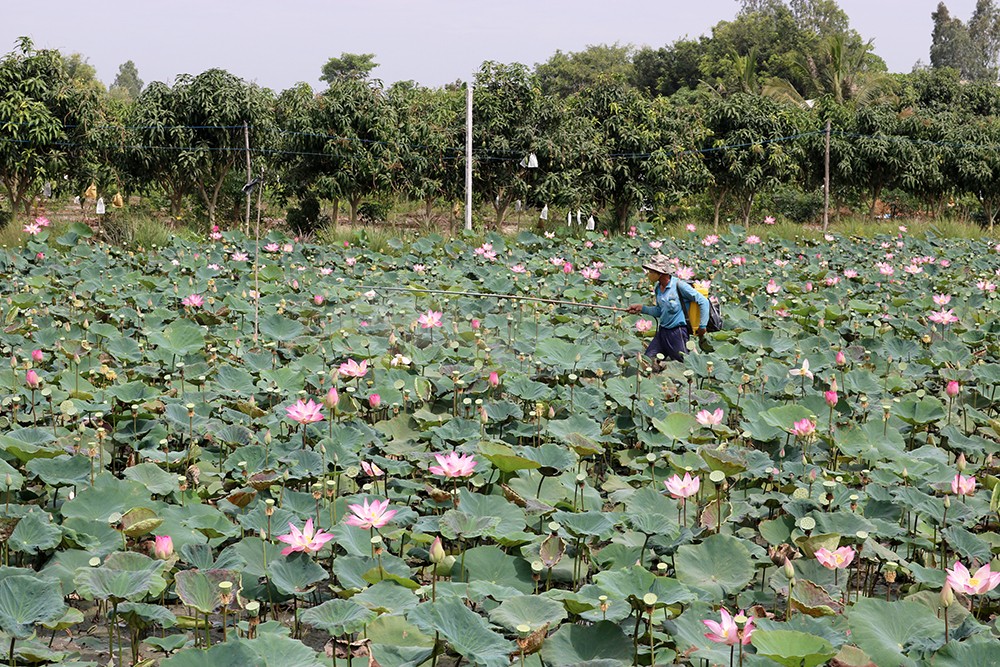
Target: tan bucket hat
pixel 658 263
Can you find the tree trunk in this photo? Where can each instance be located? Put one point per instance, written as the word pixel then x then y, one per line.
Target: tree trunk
pixel 428 208
pixel 747 207
pixel 355 204
pixel 876 191
pixel 622 209
pixel 718 198
pixel 336 210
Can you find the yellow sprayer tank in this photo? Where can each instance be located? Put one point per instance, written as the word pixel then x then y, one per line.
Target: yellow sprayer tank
pixel 694 312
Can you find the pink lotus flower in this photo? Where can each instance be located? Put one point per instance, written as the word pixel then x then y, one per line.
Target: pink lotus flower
pixel 706 418
pixel 32 229
pixel 588 244
pixel 685 272
pixel 655 245
pixel 727 632
pixel 368 516
pixel 37 356
pixel 239 256
pixel 163 547
pixel 419 268
pixel 567 267
pixel 494 379
pixel 803 428
pixel 739 260
pixel 556 261
pixel 963 486
pixel 374 400
pixel 272 247
pixel 850 273
pixel 475 324
pixel 830 396
pixel 643 325
pixel 518 268
pixel 769 220
pixel 832 280
pixel 841 358
pixel 943 316
pixel 590 273
pixel 318 299
pixel 351 261
pixel 631 232
pixel 683 488
pixel 453 464
pixel 353 369
pixel 42 221
pixel 430 319
pixel 305 413
pixel 772 287
pixel 986 286
pixel 692 228
pixel 371 469
pixel 304 540
pixel 952 389
pixel 710 240
pixel 835 560
pixel 193 301
pixel 941 299
pixel 983 581
pixel 32 380
pixel 753 239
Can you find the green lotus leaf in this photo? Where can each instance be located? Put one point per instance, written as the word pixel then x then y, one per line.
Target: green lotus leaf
pixel 603 644
pixel 720 565
pixel 792 648
pixel 530 610
pixel 338 617
pixel 887 630
pixel 26 600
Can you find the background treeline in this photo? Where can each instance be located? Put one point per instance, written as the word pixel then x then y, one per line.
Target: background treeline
pixel 726 126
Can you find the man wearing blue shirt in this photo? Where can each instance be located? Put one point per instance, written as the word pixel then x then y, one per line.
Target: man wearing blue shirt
pixel 671 295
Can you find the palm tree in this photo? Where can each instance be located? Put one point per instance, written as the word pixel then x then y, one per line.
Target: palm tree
pixel 840 70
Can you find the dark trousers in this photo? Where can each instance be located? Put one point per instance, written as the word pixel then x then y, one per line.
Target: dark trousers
pixel 671 343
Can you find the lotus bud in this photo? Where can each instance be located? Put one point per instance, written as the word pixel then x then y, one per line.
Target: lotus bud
pixel 37 356
pixel 951 389
pixel 841 358
pixel 789 569
pixel 960 463
pixel 163 547
pixel 331 399
pixel 374 400
pixel 947 595
pixel 437 552
pixel 32 380
pixel 494 379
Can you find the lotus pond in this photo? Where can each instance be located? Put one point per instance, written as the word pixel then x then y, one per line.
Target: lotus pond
pixel 203 466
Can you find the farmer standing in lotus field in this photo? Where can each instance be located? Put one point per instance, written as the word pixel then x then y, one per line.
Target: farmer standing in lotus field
pixel 671 294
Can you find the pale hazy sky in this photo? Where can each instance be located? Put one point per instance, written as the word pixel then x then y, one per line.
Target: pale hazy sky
pixel 433 42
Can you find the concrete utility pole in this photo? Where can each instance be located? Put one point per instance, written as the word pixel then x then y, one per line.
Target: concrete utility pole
pixel 468 156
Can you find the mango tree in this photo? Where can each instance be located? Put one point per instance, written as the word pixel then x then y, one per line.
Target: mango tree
pixel 46 118
pixel 751 149
pixel 639 148
pixel 342 143
pixel 431 127
pixel 213 107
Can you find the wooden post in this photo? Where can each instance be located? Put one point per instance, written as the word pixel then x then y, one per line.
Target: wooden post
pixel 826 181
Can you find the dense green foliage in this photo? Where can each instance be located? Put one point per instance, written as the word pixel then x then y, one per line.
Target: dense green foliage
pixel 730 124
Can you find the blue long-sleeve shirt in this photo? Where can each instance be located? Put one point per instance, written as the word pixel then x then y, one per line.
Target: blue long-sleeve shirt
pixel 669 308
